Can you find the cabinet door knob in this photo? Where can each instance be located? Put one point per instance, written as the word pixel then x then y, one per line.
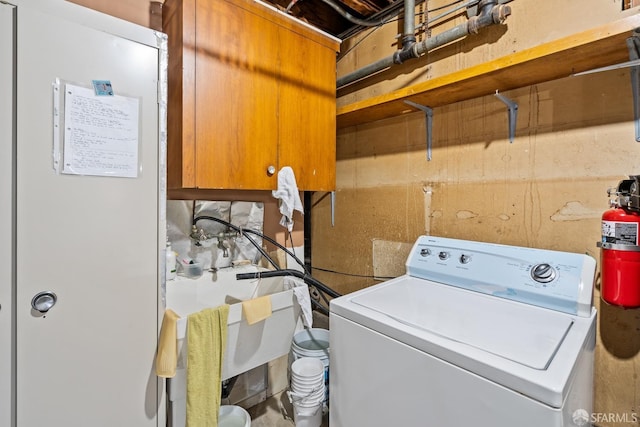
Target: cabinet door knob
pixel 271 170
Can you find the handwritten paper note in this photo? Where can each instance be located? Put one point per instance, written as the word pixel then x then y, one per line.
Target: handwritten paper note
pixel 100 134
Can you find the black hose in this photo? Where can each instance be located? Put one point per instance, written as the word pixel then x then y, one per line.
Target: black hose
pixel 306 277
pixel 242 232
pixel 284 248
pixel 320 307
pixel 324 297
pixel 257 233
pixel 279 273
pixel 349 17
pixel 262 251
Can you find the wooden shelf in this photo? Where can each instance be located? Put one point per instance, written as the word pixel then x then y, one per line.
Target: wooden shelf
pixel 598 47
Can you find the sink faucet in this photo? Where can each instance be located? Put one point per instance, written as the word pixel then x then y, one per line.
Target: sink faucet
pixel 223 243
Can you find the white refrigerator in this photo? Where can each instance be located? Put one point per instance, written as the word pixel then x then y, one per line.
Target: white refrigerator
pixel 82 223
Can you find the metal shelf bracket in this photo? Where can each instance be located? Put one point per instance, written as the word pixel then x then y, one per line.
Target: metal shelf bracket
pixel 428 112
pixel 333 208
pixel 633 44
pixel 513 114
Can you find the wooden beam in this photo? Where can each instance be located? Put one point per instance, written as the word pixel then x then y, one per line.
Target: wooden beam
pixel 598 47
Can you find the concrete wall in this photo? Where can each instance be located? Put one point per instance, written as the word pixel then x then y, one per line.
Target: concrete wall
pixel 575 139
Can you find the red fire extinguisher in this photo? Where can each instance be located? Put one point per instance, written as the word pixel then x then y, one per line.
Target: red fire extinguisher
pixel 620 255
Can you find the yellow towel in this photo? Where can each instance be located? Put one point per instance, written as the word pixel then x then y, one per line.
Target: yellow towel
pixel 167 356
pixel 206 343
pixel 257 309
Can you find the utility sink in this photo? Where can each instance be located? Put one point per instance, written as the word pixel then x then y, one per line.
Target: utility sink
pixel 248 346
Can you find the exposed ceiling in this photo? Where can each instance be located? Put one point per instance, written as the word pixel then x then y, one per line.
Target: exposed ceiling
pixel 323 16
pixel 330 15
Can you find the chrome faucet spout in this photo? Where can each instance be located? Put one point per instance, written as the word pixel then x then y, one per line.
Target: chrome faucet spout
pixel 221 245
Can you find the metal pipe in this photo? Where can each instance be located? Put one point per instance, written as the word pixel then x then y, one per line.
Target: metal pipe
pixel 490 13
pixel 409 35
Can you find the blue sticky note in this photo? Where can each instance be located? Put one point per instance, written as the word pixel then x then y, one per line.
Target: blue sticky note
pixel 102 87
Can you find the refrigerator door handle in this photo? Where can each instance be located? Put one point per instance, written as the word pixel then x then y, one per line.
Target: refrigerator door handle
pixel 43 301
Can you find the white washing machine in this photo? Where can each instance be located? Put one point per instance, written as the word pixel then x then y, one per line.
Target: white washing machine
pixel 474 334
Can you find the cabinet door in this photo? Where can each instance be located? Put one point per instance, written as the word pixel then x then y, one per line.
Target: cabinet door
pixel 308 112
pixel 236 102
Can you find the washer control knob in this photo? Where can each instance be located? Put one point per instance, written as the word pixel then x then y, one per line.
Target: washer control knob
pixel 543 273
pixel 465 259
pixel 443 255
pixel 425 252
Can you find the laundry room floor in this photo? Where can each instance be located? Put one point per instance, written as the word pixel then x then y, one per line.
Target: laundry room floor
pixel 276 411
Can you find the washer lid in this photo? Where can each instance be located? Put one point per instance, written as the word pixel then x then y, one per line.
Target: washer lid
pixel 518 332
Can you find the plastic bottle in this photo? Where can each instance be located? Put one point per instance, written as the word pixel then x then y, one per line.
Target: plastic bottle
pixel 170 263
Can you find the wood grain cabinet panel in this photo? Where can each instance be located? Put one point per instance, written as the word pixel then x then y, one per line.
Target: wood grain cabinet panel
pixel 250 88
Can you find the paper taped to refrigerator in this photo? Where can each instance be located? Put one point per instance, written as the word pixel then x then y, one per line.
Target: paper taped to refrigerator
pixel 101 134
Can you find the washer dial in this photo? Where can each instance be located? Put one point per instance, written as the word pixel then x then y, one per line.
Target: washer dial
pixel 543 273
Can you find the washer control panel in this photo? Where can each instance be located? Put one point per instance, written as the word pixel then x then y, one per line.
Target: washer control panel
pixel 561 281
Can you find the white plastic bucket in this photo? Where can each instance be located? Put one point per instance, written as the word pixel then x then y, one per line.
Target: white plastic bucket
pixel 307 416
pixel 307 391
pixel 233 416
pixel 307 381
pixel 314 343
pixel 307 388
pixel 307 398
pixel 307 368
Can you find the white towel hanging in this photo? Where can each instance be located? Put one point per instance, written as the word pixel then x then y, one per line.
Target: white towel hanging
pixel 289 196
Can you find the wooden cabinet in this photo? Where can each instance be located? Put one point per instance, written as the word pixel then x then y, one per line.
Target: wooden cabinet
pixel 249 89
